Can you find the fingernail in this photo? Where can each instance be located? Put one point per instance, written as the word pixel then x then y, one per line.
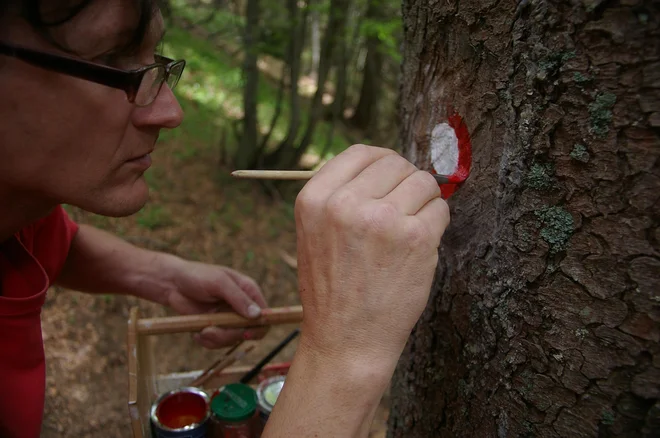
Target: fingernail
pixel 254 311
pixel 247 335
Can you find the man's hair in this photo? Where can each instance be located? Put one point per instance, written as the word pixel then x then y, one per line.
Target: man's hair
pixel 44 15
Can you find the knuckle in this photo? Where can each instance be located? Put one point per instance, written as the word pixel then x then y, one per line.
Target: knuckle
pixel 425 182
pixel 397 161
pixel 307 203
pixel 381 217
pixel 368 151
pixel 417 235
pixel 340 207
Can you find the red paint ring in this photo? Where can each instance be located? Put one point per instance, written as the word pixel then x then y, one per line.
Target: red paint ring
pixel 464 154
pixel 181 409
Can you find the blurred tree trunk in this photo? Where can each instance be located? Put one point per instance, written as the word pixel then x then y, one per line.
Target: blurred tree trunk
pixel 296 44
pixel 334 31
pixel 246 154
pixel 366 112
pixel 285 157
pixel 544 319
pixel 349 47
pixel 315 24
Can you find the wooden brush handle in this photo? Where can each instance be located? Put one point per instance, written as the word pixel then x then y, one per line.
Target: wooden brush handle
pixel 194 323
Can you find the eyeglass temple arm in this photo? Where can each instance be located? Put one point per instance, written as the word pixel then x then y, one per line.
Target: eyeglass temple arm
pixel 127 81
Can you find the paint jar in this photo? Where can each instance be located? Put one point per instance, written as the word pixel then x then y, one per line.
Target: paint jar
pixel 234 413
pixel 267 393
pixel 184 412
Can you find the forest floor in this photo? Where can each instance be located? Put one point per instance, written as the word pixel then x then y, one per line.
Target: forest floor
pixel 196 211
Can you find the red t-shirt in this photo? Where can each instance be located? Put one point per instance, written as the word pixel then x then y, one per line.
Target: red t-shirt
pixel 30 262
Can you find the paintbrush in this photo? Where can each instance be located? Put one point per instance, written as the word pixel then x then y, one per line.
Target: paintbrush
pixel 231 357
pixel 293 175
pixel 257 368
pixel 216 363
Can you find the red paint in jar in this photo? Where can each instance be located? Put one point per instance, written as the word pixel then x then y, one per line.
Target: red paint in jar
pixel 183 412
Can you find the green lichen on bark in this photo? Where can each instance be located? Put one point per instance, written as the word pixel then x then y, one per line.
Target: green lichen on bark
pixel 607 417
pixel 540 177
pixel 558 227
pixel 600 112
pixel 580 78
pixel 553 62
pixel 580 153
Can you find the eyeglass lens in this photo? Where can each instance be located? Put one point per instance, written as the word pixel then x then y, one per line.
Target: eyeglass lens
pixel 153 80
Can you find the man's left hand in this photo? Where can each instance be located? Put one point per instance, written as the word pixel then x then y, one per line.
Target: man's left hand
pixel 202 288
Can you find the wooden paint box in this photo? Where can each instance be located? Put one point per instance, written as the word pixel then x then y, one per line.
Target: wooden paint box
pixel 144 385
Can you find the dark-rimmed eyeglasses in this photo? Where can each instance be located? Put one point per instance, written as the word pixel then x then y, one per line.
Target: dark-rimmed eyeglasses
pixel 141 85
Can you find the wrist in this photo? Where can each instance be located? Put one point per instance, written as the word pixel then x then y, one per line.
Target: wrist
pixel 364 366
pixel 157 279
pixel 325 393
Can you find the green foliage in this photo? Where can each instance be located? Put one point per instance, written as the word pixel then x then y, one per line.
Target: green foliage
pixel 580 153
pixel 600 112
pixel 558 227
pixel 153 217
pixel 210 93
pixel 388 32
pixel 540 176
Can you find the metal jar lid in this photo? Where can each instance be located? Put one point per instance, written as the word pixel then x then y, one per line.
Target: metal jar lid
pixel 268 391
pixel 195 396
pixel 234 403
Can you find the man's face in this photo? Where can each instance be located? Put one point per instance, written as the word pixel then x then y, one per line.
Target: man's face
pixel 67 140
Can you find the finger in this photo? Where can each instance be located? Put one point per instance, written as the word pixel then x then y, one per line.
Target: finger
pixel 238 299
pixel 436 218
pixel 344 167
pixel 382 176
pixel 216 337
pixel 249 286
pixel 414 192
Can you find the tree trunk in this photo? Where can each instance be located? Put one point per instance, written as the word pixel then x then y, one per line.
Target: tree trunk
pixel 247 153
pixel 315 23
pixel 544 319
pixel 366 112
pixel 336 26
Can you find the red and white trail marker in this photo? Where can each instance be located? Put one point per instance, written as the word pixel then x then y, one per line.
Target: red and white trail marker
pixel 451 152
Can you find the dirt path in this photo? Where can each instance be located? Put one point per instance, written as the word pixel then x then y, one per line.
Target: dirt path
pixel 196 212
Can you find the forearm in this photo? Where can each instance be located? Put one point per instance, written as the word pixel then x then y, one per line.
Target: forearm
pixel 99 262
pixel 327 397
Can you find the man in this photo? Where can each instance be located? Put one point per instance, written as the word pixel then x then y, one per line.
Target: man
pixel 83 99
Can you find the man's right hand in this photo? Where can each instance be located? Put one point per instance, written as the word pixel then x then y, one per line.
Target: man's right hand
pixel 369 225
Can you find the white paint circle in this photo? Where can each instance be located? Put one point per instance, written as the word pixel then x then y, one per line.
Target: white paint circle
pixel 444 149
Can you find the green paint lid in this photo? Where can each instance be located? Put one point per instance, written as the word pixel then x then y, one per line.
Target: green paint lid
pixel 235 402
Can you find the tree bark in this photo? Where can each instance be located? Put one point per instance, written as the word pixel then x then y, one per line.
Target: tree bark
pixel 544 319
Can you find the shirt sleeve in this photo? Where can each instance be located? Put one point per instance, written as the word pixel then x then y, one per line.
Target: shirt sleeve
pixel 53 236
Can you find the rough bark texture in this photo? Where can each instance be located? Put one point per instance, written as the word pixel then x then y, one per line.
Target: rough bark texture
pixel 544 320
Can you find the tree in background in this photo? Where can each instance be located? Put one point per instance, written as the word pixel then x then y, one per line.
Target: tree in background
pixel 544 320
pixel 246 155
